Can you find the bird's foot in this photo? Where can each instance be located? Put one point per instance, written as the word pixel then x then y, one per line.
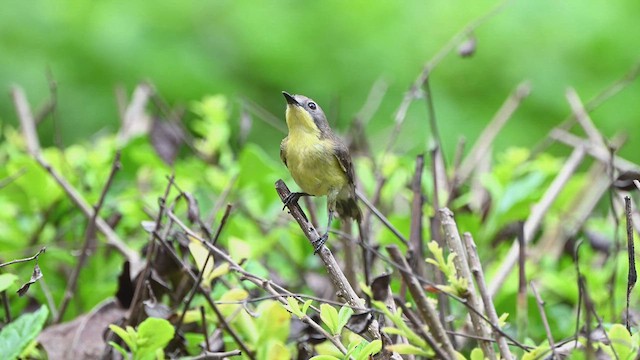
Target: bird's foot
pixel 319 242
pixel 292 198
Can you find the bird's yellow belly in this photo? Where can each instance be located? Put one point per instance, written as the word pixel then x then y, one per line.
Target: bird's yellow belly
pixel 314 167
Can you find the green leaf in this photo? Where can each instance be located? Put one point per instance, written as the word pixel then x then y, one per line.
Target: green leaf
pixel 371 348
pixel 7 280
pixel 17 335
pixel 408 349
pixel 120 349
pixel 294 307
pixel 124 335
pixel 306 306
pixel 621 341
pixel 329 316
pixel 153 335
pixel 476 354
pixel 343 317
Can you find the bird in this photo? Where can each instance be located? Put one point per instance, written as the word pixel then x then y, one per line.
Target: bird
pixel 318 160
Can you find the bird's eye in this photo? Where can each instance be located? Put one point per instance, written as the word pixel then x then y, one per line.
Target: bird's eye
pixel 312 105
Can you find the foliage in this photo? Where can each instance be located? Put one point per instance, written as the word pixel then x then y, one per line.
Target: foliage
pixel 147 341
pixel 16 336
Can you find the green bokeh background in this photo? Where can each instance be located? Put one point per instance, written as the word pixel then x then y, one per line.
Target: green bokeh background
pixel 331 50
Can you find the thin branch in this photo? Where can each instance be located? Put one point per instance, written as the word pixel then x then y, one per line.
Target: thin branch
pixel 476 269
pixel 89 239
pixel 381 217
pixel 414 91
pixel 483 144
pixel 632 276
pixel 415 236
pixel 545 322
pixel 535 218
pixel 31 258
pixel 600 153
pixel 454 242
pixel 425 308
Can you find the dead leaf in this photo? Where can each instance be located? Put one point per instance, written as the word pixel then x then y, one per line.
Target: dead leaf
pixel 35 276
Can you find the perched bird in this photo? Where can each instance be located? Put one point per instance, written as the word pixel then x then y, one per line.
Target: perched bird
pixel 318 161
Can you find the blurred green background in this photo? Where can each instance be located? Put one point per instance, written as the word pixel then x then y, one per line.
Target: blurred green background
pixel 333 51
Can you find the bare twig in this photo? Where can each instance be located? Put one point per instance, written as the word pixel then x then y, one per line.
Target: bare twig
pixel 535 218
pixel 483 144
pixel 89 239
pixel 632 276
pixel 414 91
pixel 381 217
pixel 595 102
pixel 420 329
pixel 545 322
pixel 13 177
pixel 415 236
pixel 34 257
pixel 522 306
pixel 476 269
pixel 452 237
pixel 600 153
pixel 582 116
pixel 425 308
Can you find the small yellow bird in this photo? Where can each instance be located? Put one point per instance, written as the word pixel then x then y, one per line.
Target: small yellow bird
pixel 318 160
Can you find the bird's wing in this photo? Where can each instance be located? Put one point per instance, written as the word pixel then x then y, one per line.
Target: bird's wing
pixel 344 159
pixel 283 151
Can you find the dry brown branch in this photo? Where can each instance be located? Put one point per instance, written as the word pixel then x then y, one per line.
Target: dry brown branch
pixel 535 218
pixel 483 144
pixel 582 117
pixel 476 269
pixel 425 308
pixel 545 322
pixel 33 146
pixel 415 236
pixel 339 280
pixel 414 90
pixel 632 276
pixel 598 152
pixel 454 242
pixel 30 258
pixel 381 217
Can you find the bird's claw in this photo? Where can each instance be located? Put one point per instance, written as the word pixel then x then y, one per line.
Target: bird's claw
pixel 319 242
pixel 292 198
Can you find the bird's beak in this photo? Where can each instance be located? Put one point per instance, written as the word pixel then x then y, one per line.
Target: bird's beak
pixel 290 99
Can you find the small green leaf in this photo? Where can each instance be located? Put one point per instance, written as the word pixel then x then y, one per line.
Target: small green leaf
pixel 7 280
pixel 371 348
pixel 407 349
pixel 329 316
pixel 17 335
pixel 153 335
pixel 621 341
pixel 476 354
pixel 306 306
pixel 294 307
pixel 124 335
pixel 343 317
pixel 120 349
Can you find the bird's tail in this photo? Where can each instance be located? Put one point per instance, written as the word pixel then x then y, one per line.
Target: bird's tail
pixel 347 207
